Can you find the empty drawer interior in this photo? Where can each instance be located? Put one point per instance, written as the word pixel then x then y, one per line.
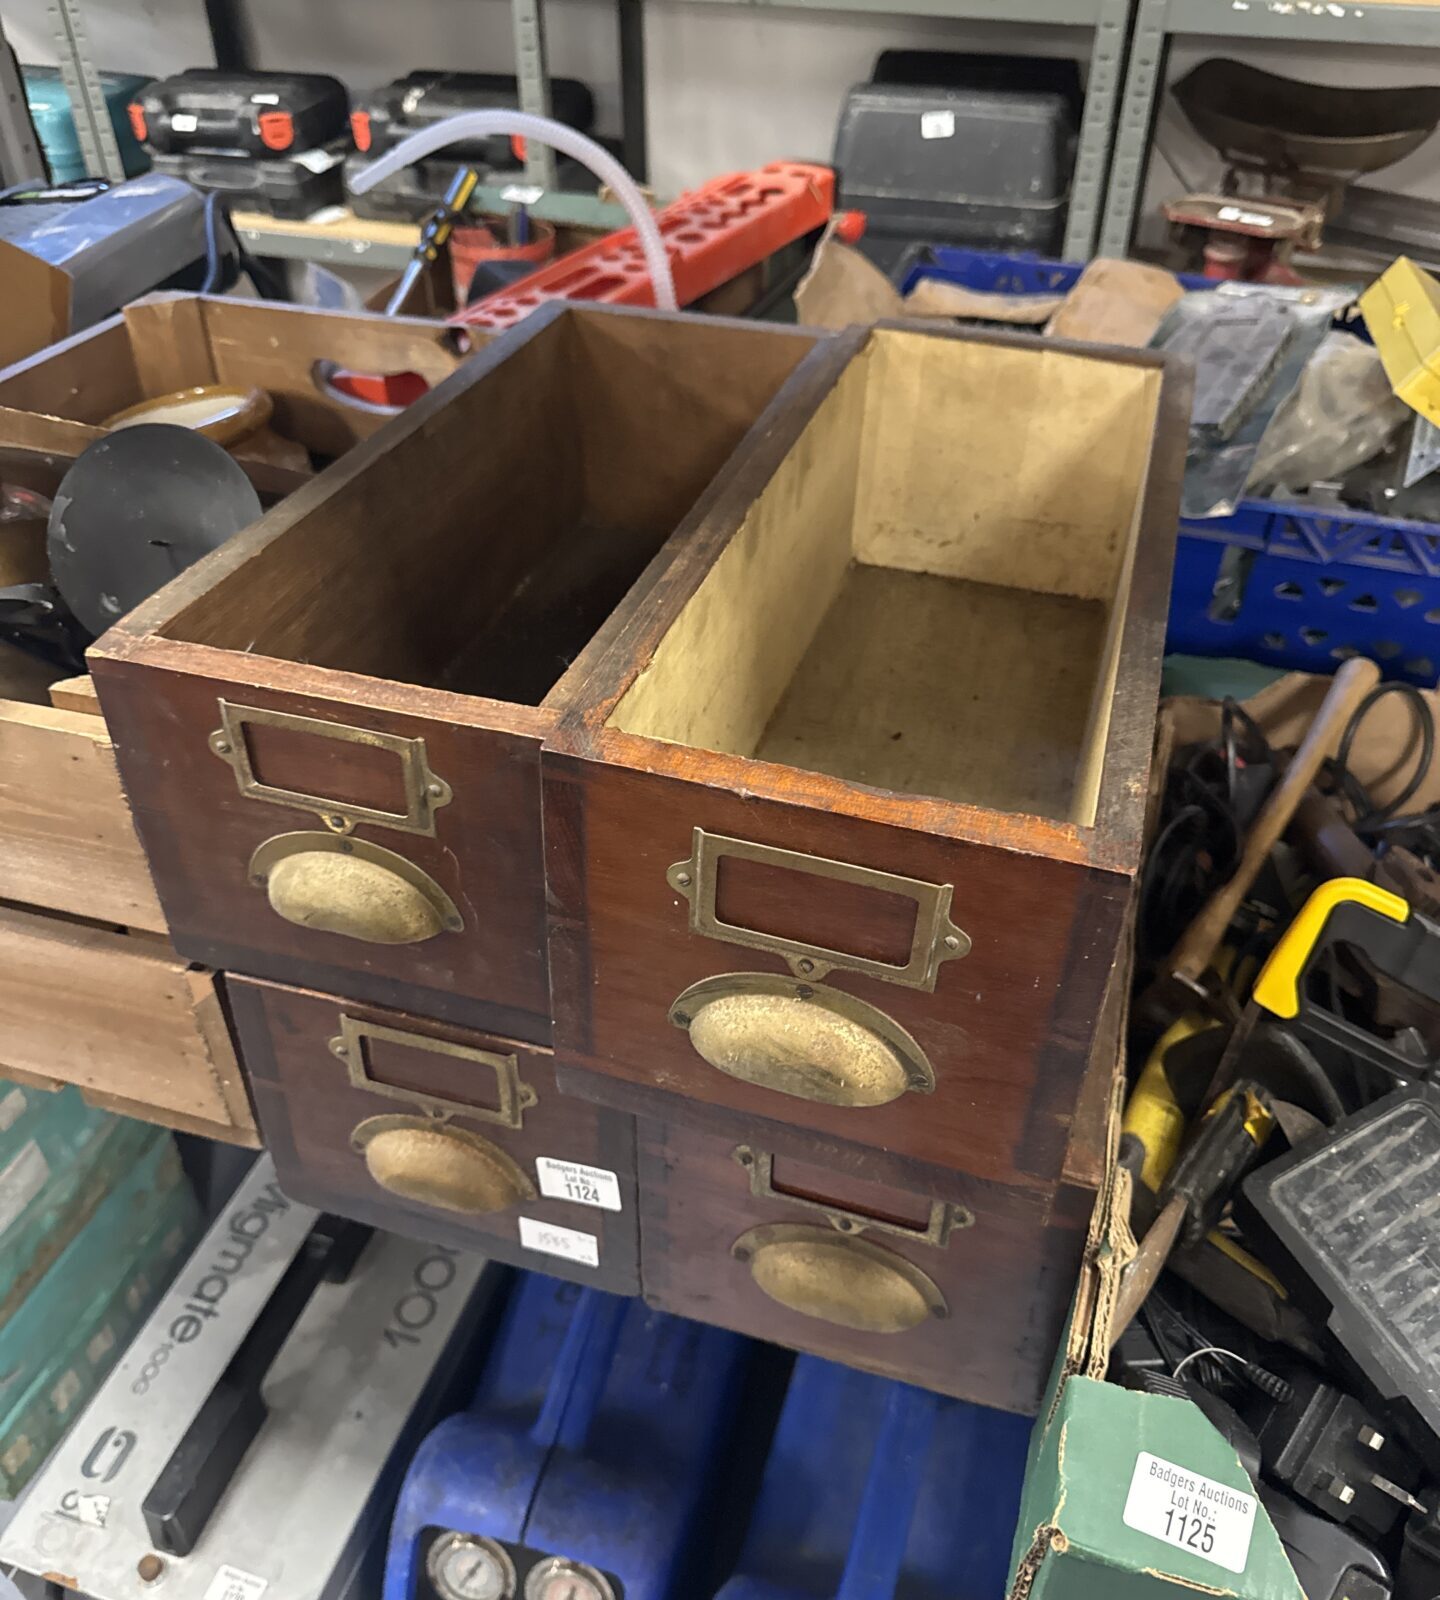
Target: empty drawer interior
pixel 478 544
pixel 928 594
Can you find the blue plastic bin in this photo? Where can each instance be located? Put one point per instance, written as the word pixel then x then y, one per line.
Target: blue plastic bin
pixel 1286 585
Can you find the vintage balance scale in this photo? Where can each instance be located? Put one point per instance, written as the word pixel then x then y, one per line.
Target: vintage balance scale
pixel 1291 150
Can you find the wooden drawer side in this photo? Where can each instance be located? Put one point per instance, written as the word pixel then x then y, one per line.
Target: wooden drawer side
pixel 121 1017
pixel 67 842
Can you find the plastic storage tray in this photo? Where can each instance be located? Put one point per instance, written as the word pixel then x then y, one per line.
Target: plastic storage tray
pixel 1289 585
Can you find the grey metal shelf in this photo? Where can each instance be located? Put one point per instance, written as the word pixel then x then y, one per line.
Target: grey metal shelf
pixel 1109 21
pixel 383 245
pixel 1157 22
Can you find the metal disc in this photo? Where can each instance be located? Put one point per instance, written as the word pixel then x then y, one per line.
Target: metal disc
pixel 136 509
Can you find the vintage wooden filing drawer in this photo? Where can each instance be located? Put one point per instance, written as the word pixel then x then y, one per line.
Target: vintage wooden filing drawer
pixel 846 833
pixel 456 1137
pixel 330 731
pixel 938 1279
pixel 51 401
pixel 91 991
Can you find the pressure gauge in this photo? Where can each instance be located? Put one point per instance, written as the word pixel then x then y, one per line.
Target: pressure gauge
pixel 463 1566
pixel 558 1579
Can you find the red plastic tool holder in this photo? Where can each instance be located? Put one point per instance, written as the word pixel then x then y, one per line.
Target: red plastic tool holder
pixel 712 235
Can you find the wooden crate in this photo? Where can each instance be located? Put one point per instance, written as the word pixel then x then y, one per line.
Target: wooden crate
pixel 52 403
pixel 844 833
pixel 330 730
pixel 450 1136
pixel 91 991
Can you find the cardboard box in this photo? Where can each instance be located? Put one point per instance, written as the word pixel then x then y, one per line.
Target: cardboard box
pixel 37 301
pixel 1110 1469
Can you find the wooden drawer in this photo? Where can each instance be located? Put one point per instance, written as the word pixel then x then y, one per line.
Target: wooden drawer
pixel 960 1287
pixel 91 992
pixel 53 403
pixel 330 730
pixel 428 1130
pixel 846 835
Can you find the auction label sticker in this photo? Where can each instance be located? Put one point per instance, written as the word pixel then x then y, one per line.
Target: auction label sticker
pixel 573 1180
pixel 1193 1513
pixel 568 1243
pixel 230 1583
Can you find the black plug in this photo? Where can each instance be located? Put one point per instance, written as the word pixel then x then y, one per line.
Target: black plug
pixel 1326 1447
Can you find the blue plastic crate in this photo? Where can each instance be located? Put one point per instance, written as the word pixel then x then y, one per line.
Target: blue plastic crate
pixel 1290 586
pixel 1286 585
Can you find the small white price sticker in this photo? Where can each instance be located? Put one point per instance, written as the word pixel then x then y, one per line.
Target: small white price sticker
pixel 568 1243
pixel 573 1180
pixel 937 124
pixel 230 1583
pixel 1193 1513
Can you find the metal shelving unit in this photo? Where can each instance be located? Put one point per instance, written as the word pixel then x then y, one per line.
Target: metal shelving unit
pixel 1109 21
pixel 87 97
pixel 1157 22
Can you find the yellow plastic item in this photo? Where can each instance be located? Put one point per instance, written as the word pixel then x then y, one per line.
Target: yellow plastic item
pixel 1277 989
pixel 1402 311
pixel 1152 1113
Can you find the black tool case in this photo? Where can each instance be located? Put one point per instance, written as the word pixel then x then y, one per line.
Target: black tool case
pixel 292 187
pixel 974 166
pixel 240 113
pixel 385 116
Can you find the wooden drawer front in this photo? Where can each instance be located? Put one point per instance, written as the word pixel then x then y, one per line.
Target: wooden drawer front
pixel 67 842
pixel 133 1027
pixel 451 1136
pixel 964 1296
pixel 979 1074
pixel 476 860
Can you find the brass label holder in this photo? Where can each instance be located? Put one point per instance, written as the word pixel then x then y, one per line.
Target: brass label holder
pixel 515 1096
pixel 936 938
pixel 424 792
pixel 945 1215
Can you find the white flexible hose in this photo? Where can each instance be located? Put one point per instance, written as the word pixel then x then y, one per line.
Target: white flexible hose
pixel 486 124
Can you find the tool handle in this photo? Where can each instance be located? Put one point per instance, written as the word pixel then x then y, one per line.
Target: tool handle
pixel 1202 938
pixel 1339 909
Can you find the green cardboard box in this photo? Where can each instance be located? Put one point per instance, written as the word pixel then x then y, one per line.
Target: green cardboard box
pixel 1133 1496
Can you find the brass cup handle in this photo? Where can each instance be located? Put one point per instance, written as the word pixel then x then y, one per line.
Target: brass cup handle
pixel 801 1039
pixel 432 1164
pixel 837 1278
pixel 339 884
